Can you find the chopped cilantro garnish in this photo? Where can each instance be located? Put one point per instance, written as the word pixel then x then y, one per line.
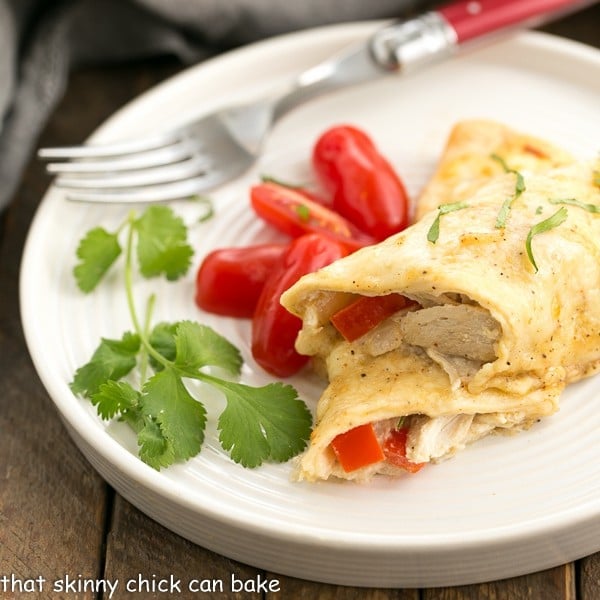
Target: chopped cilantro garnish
pixel 504 212
pixel 546 225
pixel 209 209
pixel 303 212
pixel 519 189
pixel 258 424
pixel 592 208
pixel 271 179
pixel 434 231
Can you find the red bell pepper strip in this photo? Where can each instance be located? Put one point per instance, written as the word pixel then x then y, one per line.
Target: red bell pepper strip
pixel 359 317
pixel 394 449
pixel 274 329
pixel 357 447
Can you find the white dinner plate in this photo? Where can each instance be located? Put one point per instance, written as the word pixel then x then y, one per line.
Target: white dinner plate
pixel 504 506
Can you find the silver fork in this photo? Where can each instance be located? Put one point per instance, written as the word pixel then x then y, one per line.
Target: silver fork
pixel 218 147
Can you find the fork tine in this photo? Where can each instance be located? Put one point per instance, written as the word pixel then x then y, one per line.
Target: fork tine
pixel 107 150
pixel 182 170
pixel 143 160
pixel 157 193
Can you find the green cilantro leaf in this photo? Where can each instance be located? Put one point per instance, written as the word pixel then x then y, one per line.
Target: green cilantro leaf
pixel 592 208
pixel 209 209
pixel 200 346
pixel 519 189
pixel 504 212
pixel 114 398
pixel 162 243
pixel 434 231
pixel 303 213
pixel 519 185
pixel 154 448
pixel 192 346
pixel 162 339
pixel 96 252
pixel 270 179
pixel 180 417
pixel 267 423
pixel 112 360
pixel 546 225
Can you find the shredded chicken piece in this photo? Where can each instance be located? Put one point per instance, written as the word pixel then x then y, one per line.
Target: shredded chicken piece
pixel 459 368
pixel 385 337
pixel 438 438
pixel 457 330
pixel 434 438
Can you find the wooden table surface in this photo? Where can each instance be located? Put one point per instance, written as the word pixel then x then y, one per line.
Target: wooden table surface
pixel 58 518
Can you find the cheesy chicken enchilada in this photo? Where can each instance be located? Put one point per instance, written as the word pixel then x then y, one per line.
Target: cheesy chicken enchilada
pixel 481 313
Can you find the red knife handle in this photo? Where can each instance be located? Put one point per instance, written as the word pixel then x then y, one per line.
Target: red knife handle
pixel 472 19
pixel 426 38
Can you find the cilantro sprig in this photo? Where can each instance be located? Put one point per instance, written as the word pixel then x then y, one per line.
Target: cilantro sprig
pixel 143 377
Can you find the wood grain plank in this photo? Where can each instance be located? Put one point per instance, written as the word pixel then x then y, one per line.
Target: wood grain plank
pixel 51 500
pixel 141 553
pixel 589 578
pixel 300 589
pixel 551 584
pixel 46 529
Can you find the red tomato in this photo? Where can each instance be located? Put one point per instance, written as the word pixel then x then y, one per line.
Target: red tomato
pixel 366 189
pixel 292 212
pixel 274 329
pixel 229 281
pixel 394 449
pixel 315 196
pixel 357 448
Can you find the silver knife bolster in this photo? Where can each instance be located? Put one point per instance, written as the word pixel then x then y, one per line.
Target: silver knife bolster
pixel 407 45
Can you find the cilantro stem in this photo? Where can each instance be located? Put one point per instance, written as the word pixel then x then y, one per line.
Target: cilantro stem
pixel 129 275
pixel 128 271
pixel 147 325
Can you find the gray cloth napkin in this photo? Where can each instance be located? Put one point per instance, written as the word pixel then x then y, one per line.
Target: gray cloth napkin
pixel 41 41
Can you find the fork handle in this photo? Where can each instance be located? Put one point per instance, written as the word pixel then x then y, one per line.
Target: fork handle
pixel 407 45
pixel 474 19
